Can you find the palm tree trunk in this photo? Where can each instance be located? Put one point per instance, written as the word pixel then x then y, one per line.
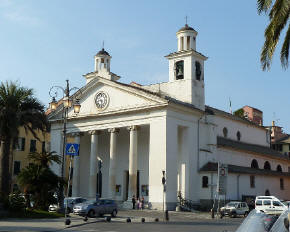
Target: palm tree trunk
pixel 4 167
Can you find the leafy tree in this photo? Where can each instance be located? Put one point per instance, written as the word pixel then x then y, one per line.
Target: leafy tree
pixel 239 113
pixel 40 182
pixel 278 13
pixel 18 107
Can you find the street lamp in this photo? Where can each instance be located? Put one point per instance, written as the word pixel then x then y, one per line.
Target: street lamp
pixel 68 101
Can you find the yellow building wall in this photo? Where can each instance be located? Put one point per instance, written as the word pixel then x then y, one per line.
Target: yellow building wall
pixel 22 156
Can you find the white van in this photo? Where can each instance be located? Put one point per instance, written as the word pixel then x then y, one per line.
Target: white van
pixel 269 205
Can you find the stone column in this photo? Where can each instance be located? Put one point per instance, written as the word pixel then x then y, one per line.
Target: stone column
pixel 132 162
pixel 112 170
pixel 76 170
pixel 93 164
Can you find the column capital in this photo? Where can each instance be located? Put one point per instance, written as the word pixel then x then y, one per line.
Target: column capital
pixel 75 134
pixel 113 130
pixel 133 128
pixel 94 132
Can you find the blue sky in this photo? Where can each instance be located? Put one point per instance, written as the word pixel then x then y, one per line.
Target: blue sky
pixel 42 43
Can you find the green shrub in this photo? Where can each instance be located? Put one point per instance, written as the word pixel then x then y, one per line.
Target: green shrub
pixel 16 202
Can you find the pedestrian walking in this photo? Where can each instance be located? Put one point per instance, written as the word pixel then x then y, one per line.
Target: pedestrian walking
pixel 142 202
pixel 133 201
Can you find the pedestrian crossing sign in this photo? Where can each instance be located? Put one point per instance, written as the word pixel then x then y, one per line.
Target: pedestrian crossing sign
pixel 72 149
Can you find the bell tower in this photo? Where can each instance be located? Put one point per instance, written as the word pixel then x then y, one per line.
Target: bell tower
pixel 186 68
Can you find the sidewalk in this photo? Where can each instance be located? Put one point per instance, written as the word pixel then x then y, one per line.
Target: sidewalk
pixel 24 225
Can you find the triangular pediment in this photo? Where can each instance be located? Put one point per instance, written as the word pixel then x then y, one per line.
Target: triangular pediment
pixel 101 97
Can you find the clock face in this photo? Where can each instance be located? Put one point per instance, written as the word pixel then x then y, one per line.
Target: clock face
pixel 101 100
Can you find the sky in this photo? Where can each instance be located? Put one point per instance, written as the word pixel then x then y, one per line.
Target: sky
pixel 43 43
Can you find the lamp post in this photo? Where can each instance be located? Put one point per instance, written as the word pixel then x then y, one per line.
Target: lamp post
pixel 68 101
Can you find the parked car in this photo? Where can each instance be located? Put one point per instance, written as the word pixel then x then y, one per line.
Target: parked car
pixel 96 208
pixel 52 208
pixel 269 205
pixel 234 208
pixel 68 204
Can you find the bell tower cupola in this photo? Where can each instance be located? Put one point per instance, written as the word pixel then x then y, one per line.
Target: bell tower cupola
pixel 102 67
pixel 186 37
pixel 102 61
pixel 186 69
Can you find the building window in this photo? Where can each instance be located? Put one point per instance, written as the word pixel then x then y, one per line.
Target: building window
pixel 179 70
pixel 32 145
pixel 19 144
pixel 281 184
pixel 225 132
pixel 279 168
pixel 254 164
pixel 239 136
pixel 267 166
pixel 252 181
pixel 16 167
pixel 205 182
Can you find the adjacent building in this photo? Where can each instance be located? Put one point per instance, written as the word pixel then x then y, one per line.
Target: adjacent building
pixel 140 133
pixel 26 143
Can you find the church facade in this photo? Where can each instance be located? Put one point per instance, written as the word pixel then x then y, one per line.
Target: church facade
pixel 130 135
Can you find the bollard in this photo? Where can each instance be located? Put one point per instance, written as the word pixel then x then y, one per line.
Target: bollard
pixel 142 220
pixel 212 213
pixel 67 222
pixel 85 218
pixel 128 220
pixel 166 215
pixel 156 219
pixel 108 218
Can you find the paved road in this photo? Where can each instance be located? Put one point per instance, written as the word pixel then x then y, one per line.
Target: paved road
pixel 179 222
pixel 199 225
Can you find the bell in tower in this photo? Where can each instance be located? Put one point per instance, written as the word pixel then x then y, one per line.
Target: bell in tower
pixel 179 70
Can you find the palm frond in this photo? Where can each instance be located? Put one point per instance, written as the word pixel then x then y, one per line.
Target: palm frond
pixel 263 5
pixel 284 55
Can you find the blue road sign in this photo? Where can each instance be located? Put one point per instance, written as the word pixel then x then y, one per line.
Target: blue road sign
pixel 72 149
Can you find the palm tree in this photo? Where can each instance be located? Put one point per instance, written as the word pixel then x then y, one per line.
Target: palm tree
pixel 278 13
pixel 41 183
pixel 44 159
pixel 18 107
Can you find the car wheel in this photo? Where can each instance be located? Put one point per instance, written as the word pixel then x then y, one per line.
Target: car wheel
pixel 92 213
pixel 246 214
pixel 233 215
pixel 114 213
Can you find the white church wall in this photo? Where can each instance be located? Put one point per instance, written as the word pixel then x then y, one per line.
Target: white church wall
pixel 56 145
pixel 249 134
pixel 157 160
pixel 85 147
pixel 244 159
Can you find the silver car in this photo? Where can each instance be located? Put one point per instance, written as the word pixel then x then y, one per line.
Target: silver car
pixel 96 208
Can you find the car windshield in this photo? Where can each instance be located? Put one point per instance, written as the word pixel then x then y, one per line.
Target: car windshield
pixel 90 202
pixel 232 204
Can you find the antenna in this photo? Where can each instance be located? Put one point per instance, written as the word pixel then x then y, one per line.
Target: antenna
pixel 103 45
pixel 231 112
pixel 186 20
